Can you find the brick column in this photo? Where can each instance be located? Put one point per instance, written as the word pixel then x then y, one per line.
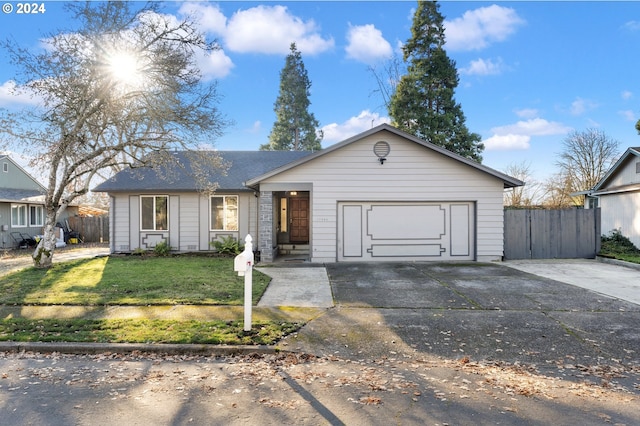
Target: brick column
pixel 265 226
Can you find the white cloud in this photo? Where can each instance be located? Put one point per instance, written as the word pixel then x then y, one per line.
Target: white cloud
pixel 366 44
pixel 256 127
pixel 484 67
pixel 271 30
pixel 533 127
pixel 210 18
pixel 526 112
pixel 628 115
pixel 13 95
pixel 335 132
pixel 631 26
pixel 580 106
pixel 507 142
pixel 626 95
pixel 215 64
pixel 518 135
pixel 478 28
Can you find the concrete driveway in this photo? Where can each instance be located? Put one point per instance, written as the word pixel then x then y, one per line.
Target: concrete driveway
pixel 614 280
pixel 487 312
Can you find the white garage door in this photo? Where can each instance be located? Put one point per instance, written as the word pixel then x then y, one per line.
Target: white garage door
pixel 406 231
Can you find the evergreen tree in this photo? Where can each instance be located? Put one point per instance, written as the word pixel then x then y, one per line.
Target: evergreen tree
pixel 423 103
pixel 295 126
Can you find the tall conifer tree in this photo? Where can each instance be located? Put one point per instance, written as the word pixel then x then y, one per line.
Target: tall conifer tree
pixel 424 103
pixel 295 126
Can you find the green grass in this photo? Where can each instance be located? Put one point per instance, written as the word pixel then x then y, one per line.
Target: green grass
pixel 136 280
pixel 143 331
pixel 131 280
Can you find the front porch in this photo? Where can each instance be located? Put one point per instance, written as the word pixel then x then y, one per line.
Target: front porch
pixel 284 225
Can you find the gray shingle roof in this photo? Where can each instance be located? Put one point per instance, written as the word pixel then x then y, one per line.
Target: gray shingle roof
pixel 20 195
pixel 243 165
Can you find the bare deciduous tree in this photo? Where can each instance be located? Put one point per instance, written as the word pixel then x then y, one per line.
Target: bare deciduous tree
pixel 122 90
pixel 585 158
pixel 526 195
pixel 387 76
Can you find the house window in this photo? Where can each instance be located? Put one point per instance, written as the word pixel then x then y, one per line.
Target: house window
pixel 154 212
pixel 36 215
pixel 5 167
pixel 638 167
pixel 19 215
pixel 224 213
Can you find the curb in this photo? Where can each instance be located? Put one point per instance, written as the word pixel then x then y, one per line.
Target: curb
pixel 618 262
pixel 127 348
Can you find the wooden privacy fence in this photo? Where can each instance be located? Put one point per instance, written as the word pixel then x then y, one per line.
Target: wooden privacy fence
pixel 551 234
pixel 92 229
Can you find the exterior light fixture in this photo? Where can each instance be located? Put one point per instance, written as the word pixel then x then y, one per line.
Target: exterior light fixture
pixel 381 149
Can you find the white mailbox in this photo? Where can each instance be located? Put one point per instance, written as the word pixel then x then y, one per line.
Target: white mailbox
pixel 242 263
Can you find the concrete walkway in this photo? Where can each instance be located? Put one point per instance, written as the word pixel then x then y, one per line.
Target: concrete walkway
pixel 300 287
pixel 612 280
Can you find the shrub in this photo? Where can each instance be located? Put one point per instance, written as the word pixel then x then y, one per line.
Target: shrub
pixel 616 243
pixel 161 249
pixel 227 245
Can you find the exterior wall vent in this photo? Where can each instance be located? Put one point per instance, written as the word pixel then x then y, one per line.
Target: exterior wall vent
pixel 381 149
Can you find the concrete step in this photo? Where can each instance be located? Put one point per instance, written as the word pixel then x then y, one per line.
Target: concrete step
pixel 284 249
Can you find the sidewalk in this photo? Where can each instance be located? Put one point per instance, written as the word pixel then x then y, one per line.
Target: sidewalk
pixel 24 260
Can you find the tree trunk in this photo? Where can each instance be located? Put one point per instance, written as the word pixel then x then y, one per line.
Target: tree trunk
pixel 43 254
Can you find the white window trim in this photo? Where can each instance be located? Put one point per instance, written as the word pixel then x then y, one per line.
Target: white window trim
pixel 211 216
pixel 26 216
pixel 37 207
pixel 5 167
pixel 155 225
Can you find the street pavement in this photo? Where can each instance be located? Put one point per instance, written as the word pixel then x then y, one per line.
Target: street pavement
pixel 405 343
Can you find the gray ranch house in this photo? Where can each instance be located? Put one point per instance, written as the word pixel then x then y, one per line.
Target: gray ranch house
pixel 618 196
pixel 380 195
pixel 22 212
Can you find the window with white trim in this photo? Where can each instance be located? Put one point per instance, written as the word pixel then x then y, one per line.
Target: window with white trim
pixel 224 213
pixel 19 215
pixel 5 167
pixel 36 215
pixel 154 212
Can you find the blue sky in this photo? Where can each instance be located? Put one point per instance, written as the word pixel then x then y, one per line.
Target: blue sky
pixel 530 72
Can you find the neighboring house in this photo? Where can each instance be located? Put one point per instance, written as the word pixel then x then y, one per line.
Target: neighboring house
pixel 618 196
pixel 380 195
pixel 21 204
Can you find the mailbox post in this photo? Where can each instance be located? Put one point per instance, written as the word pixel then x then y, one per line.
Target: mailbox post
pixel 243 265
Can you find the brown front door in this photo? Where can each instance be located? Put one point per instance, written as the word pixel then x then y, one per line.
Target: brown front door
pixel 299 214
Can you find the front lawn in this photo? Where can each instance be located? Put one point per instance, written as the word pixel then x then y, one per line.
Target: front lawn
pixel 136 280
pixel 131 280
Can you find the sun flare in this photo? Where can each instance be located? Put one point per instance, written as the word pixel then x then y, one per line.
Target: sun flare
pixel 126 68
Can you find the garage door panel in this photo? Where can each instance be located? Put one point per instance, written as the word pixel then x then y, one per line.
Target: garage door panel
pixel 406 250
pixel 460 232
pixel 389 222
pixel 408 231
pixel 352 231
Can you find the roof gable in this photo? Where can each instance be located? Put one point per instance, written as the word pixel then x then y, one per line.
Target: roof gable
pixel 622 175
pixel 508 181
pixel 15 177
